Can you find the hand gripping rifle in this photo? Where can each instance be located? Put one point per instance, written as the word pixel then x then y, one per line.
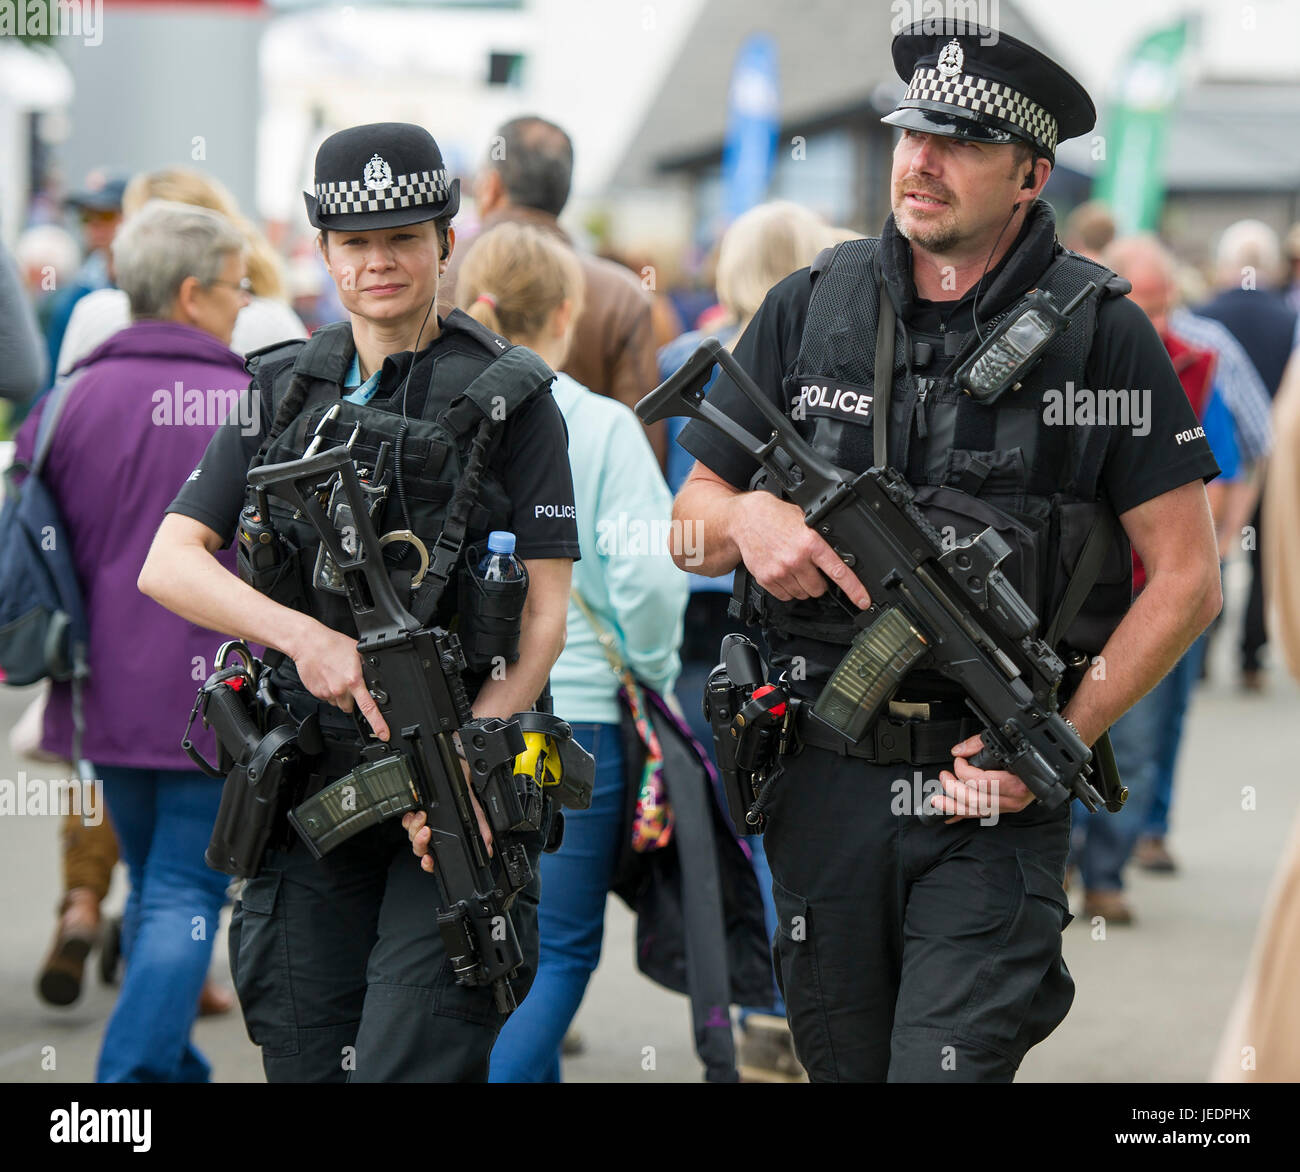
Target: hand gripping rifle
pixel 949 607
pixel 414 674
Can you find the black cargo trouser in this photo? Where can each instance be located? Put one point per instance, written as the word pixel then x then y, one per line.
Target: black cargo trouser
pixel 909 952
pixel 342 975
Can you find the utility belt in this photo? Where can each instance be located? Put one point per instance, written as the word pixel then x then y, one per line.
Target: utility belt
pixel 285 773
pixel 915 733
pixel 756 724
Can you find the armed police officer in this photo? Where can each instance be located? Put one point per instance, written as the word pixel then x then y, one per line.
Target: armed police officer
pixel 338 961
pixel 916 947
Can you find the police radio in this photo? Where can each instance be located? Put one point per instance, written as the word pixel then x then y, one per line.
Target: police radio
pixel 1015 347
pixel 261 553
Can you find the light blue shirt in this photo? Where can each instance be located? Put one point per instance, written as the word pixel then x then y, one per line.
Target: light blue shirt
pixel 362 393
pixel 626 575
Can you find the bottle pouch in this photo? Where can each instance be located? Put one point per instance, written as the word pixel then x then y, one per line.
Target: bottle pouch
pixel 490 615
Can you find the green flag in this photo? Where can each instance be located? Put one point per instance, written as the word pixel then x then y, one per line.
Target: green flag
pixel 1131 180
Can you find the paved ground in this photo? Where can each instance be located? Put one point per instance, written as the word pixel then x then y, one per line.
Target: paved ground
pixel 1151 999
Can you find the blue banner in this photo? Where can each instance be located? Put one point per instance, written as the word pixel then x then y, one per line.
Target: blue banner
pixel 753 121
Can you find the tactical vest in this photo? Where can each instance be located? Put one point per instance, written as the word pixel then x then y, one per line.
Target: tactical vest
pixel 435 445
pixel 972 465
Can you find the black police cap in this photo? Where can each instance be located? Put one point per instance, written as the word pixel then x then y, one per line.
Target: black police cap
pixel 381 175
pixel 979 83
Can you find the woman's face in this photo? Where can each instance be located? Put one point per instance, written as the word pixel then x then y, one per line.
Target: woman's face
pixel 214 307
pixel 387 276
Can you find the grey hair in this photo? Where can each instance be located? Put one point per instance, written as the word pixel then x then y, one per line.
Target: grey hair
pixel 156 249
pixel 1248 244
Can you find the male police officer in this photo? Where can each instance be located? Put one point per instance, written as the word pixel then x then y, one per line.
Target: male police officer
pixel 930 950
pixel 339 965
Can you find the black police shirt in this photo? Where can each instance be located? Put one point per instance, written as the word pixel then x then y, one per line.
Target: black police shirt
pixel 1126 352
pixel 530 461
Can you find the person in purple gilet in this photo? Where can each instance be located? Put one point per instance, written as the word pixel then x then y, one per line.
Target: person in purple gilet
pixel 140 411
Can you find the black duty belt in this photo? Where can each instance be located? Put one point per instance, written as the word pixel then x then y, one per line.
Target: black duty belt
pixel 894 739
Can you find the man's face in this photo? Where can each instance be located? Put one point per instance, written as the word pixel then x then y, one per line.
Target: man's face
pixel 387 275
pixel 953 195
pixel 1152 292
pixel 98 227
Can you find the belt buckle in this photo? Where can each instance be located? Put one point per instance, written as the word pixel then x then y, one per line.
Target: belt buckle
pixel 894 743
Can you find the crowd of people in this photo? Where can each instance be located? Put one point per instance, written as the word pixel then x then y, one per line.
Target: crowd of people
pixel 172 284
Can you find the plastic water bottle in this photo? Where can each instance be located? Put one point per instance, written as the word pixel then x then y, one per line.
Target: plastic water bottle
pixel 491 603
pixel 499 564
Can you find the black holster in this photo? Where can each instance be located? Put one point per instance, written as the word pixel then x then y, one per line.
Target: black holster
pixel 260 752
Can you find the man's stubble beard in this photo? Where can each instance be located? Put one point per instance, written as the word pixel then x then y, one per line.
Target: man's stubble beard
pixel 938 239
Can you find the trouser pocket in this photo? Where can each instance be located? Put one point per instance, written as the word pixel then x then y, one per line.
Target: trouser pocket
pixel 1026 991
pixel 259 963
pixel 794 955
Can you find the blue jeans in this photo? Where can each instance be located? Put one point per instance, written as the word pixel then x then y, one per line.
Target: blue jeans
pixel 1185 674
pixel 571 919
pixel 163 819
pixel 1145 740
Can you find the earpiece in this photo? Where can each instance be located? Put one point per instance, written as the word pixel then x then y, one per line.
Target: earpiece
pixel 1029 181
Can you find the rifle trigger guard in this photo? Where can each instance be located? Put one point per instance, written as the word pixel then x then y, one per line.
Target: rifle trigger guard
pixel 420 548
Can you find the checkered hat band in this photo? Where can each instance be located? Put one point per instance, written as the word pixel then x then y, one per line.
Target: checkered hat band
pixel 983 96
pixel 406 191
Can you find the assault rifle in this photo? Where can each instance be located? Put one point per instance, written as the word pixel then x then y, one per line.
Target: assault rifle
pixel 414 674
pixel 942 605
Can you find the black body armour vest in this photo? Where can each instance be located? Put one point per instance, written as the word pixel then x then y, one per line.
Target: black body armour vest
pixel 436 448
pixel 972 465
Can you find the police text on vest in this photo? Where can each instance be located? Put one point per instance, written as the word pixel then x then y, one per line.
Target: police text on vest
pixel 834 399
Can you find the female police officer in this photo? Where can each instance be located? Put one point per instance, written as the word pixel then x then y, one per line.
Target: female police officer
pixel 338 962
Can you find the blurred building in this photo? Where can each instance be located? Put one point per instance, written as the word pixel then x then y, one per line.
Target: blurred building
pixel 35 89
pixel 1234 153
pixel 836 79
pixel 167 84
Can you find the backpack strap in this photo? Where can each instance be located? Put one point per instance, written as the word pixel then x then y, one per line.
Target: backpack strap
pixel 58 396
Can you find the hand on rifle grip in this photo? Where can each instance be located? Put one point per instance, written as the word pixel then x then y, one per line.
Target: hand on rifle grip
pixel 419 834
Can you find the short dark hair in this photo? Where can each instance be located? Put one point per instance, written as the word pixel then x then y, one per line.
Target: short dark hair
pixel 441 224
pixel 1024 153
pixel 535 161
